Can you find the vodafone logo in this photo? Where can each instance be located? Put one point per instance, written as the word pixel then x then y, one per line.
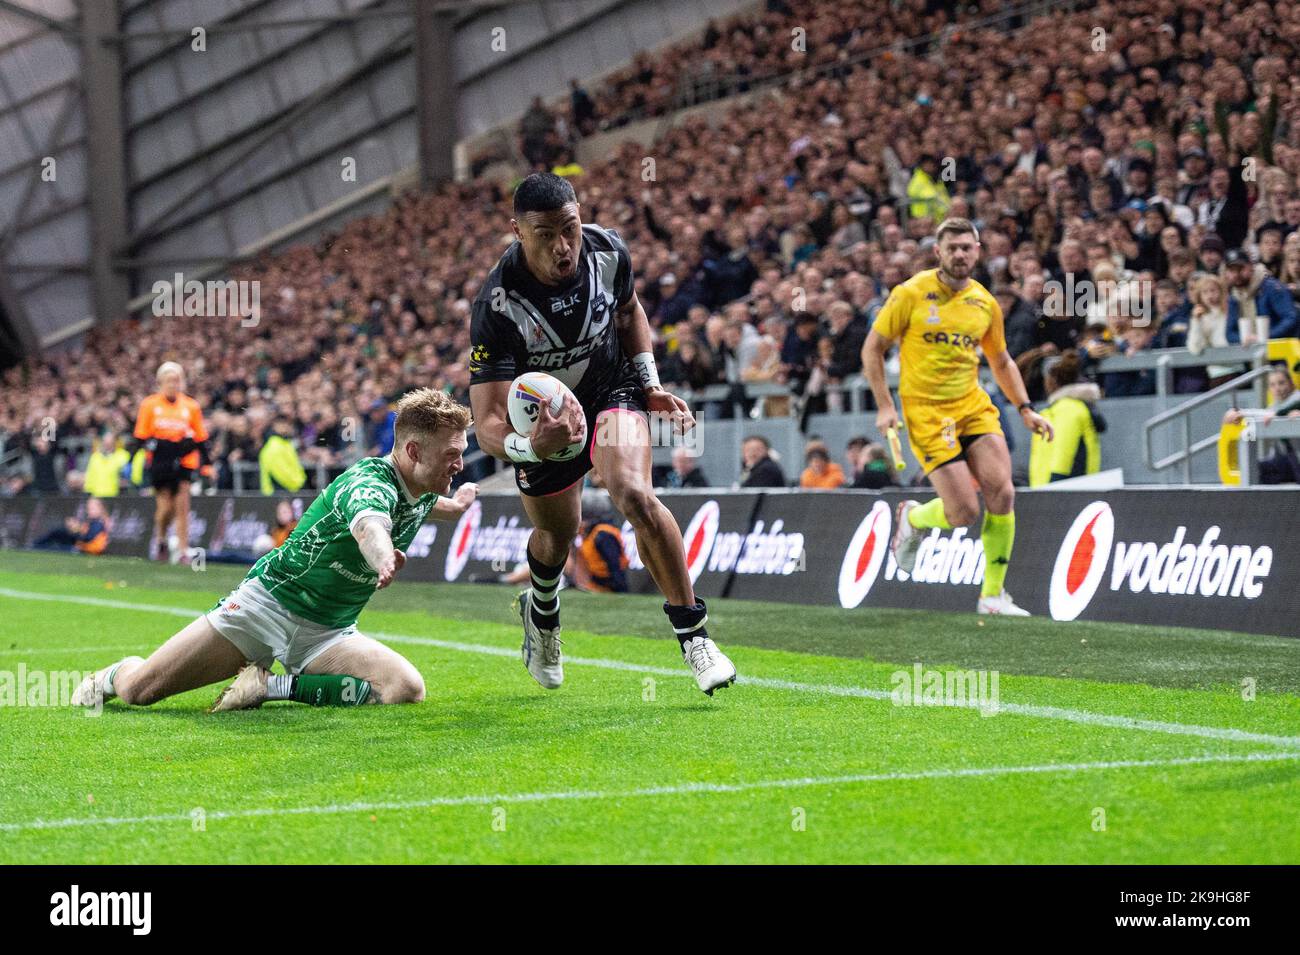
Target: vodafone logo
pixel 865 553
pixel 1081 562
pixel 698 538
pixel 461 539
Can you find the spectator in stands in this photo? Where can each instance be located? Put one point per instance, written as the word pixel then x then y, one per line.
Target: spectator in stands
pixel 673 302
pixel 799 351
pixel 602 561
pixel 1194 180
pixel 534 130
pixel 1020 314
pixel 1211 253
pixel 686 470
pixel 1283 466
pixel 820 472
pixel 354 313
pixel 278 460
pixel 1268 241
pixel 1290 272
pixel 1173 313
pixel 285 522
pixel 927 194
pixel 848 230
pixel 582 109
pixel 1208 323
pixel 88 535
pixel 381 420
pixel 877 471
pixel 1071 408
pixel 45 467
pixel 1130 338
pixel 729 277
pixel 688 367
pixel 853 456
pixel 1261 307
pixel 104 469
pixel 848 330
pixel 758 467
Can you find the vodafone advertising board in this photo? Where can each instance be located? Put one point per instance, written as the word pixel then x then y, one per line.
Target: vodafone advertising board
pixel 1212 558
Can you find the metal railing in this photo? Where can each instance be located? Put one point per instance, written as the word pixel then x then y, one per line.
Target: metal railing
pixel 1256 432
pixel 1183 412
pixel 1164 361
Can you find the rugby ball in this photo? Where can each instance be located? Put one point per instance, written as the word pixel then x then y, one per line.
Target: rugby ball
pixel 527 392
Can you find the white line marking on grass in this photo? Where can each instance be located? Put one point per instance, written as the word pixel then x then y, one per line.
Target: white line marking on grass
pixel 669 790
pixel 40 651
pixel 1083 717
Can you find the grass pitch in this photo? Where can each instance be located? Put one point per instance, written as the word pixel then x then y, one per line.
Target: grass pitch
pixel 1111 744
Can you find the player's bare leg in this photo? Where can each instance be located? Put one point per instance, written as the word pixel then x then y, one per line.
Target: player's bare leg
pixel 392 677
pixel 194 657
pixel 162 517
pixel 555 519
pixel 621 455
pixel 355 671
pixel 990 462
pixel 956 506
pixel 181 518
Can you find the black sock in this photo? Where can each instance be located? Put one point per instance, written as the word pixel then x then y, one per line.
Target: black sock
pixel 688 622
pixel 546 592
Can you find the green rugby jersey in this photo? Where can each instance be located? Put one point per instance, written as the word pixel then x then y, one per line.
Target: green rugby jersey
pixel 319 572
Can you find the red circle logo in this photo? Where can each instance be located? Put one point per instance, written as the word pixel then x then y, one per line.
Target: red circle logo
pixel 1081 561
pixel 697 540
pixel 865 553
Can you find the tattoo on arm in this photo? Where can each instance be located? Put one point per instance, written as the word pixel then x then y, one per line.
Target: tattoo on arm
pixel 374 541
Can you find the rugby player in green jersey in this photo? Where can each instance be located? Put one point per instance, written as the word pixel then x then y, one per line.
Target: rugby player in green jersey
pixel 299 603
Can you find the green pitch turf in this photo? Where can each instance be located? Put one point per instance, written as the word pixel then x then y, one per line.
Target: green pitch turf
pixel 1111 744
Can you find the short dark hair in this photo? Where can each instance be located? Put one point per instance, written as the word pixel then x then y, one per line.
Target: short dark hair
pixel 759 438
pixel 956 226
pixel 543 192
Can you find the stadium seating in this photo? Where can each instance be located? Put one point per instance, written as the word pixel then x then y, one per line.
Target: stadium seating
pixel 804 179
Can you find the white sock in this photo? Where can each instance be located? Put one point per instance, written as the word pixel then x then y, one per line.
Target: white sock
pixel 108 679
pixel 279 687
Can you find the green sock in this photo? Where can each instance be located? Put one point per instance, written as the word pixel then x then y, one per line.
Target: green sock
pixel 330 689
pixel 929 514
pixel 998 535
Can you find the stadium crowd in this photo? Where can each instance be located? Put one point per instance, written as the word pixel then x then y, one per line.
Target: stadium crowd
pixel 1145 149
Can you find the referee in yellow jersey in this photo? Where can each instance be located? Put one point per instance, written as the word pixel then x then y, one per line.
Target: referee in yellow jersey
pixel 942 317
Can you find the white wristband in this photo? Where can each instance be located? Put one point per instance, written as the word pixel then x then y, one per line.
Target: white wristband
pixel 645 367
pixel 519 449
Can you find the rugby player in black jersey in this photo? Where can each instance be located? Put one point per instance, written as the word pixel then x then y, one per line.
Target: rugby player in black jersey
pixel 561 301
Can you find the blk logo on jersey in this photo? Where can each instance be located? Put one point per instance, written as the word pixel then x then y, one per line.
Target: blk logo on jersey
pixel 565 303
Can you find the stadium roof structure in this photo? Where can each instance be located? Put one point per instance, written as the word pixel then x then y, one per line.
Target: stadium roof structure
pixel 150 137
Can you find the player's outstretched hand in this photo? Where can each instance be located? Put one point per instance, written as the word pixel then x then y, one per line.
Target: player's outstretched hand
pixel 886 418
pixel 554 433
pixel 465 495
pixel 663 402
pixel 390 569
pixel 1038 424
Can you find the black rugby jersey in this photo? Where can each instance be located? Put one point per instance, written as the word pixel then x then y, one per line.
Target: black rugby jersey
pixel 564 330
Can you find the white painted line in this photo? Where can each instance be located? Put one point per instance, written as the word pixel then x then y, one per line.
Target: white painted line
pixel 41 651
pixel 1082 717
pixel 670 790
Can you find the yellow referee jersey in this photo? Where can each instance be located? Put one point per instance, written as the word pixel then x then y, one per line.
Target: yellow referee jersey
pixel 939 331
